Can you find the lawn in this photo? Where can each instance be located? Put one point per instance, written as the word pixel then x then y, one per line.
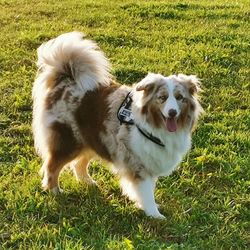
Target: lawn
pixel 206 201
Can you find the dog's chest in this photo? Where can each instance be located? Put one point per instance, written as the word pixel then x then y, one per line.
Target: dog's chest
pixel 161 161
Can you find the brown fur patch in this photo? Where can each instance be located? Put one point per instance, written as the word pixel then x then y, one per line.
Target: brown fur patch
pixel 62 142
pixel 151 109
pixel 154 116
pixel 186 117
pixel 53 166
pixel 90 116
pixel 63 148
pixel 51 79
pixel 183 118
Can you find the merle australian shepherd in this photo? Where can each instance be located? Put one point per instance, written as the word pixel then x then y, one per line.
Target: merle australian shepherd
pixel 80 112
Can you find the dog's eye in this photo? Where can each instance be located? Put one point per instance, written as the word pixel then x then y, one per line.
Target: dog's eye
pixel 179 97
pixel 162 98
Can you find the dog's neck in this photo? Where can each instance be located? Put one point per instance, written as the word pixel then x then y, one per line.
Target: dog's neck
pixel 125 116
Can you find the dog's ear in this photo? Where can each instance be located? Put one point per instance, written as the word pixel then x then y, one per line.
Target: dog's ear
pixel 191 82
pixel 149 82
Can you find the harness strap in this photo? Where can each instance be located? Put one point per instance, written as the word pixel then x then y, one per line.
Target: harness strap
pixel 124 115
pixel 152 138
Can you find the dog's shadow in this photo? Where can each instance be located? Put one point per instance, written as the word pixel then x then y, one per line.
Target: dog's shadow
pixel 98 204
pixel 87 213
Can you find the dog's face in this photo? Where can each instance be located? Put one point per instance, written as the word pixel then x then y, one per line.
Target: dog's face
pixel 169 102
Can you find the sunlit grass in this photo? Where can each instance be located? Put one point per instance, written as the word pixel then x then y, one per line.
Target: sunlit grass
pixel 206 201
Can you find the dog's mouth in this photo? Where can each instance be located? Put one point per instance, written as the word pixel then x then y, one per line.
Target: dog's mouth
pixel 170 123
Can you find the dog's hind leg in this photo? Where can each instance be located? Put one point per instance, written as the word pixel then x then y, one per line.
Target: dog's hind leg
pixel 80 168
pixel 62 149
pixel 51 169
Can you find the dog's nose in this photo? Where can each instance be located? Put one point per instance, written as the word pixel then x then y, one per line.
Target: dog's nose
pixel 172 113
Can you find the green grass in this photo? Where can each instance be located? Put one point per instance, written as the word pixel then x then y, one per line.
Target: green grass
pixel 206 201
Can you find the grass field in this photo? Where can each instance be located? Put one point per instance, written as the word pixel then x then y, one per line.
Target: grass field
pixel 206 201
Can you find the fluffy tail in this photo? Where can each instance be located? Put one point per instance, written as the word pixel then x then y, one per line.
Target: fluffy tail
pixel 69 55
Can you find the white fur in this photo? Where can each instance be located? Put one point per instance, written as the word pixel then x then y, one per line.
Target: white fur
pixel 142 192
pixel 89 65
pixel 40 121
pixel 158 161
pixel 171 102
pixel 163 159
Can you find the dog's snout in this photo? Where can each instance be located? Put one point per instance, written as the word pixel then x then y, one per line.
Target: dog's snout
pixel 172 113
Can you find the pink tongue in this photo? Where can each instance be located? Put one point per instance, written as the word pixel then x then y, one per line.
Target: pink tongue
pixel 171 125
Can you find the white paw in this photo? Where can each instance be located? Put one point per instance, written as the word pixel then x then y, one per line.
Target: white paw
pixel 156 215
pixel 159 216
pixel 138 205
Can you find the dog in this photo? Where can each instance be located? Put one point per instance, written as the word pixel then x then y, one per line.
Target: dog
pixel 81 112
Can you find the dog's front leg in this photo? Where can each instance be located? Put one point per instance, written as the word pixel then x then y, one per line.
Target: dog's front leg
pixel 142 192
pixel 145 194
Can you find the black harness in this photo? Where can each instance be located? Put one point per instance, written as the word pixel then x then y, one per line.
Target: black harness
pixel 124 115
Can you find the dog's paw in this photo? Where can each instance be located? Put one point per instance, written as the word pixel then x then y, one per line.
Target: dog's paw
pixel 138 205
pixel 158 216
pixel 155 214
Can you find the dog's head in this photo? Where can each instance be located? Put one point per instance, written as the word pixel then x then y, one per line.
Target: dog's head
pixel 168 102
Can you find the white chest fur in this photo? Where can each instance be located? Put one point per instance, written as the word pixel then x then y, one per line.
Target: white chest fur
pixel 160 161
